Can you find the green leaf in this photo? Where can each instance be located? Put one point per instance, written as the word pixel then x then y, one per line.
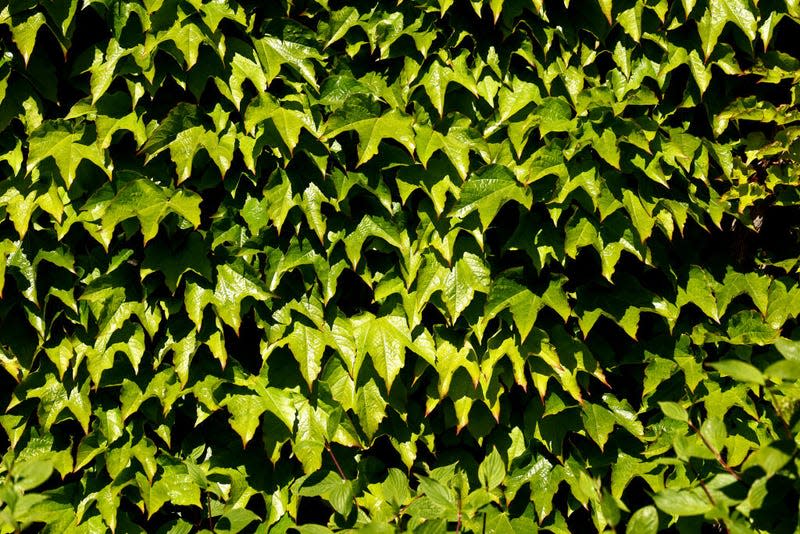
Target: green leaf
pixel 340 22
pixel 246 410
pixel 173 263
pixel 385 339
pixel 581 232
pixel 700 290
pixel 492 471
pixel 187 37
pixel 606 147
pixel 606 7
pixel 274 53
pixel 717 15
pixel 523 304
pixel 61 141
pixel 513 99
pixel 747 327
pixel 467 276
pixel 232 287
pixel 555 115
pixel 274 207
pixel 371 130
pixel 103 68
pixel 370 407
pixel 175 486
pixel 643 521
pixel 182 117
pixel 439 76
pixel 783 370
pixel 598 423
pixel 395 488
pixel 631 21
pixel 24 34
pixel 739 371
pixel 673 410
pixel 770 458
pixel 307 345
pixel 735 284
pixel 455 144
pixel 487 191
pixel 683 502
pixel 187 142
pixel 641 219
pixel 149 203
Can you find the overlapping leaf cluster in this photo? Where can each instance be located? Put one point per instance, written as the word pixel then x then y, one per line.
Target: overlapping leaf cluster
pixel 465 265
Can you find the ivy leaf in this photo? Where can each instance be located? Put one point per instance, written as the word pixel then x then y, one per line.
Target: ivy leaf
pixel 581 232
pixel 243 69
pixel 467 276
pixel 643 521
pixel 182 117
pixel 274 207
pixel 492 470
pixel 187 37
pixel 103 68
pixel 770 458
pixel 371 130
pixel 288 123
pixel 370 407
pixel 62 141
pixel 456 146
pixel 313 197
pixel 555 115
pixel 739 371
pixel 523 304
pixel 53 399
pixel 439 76
pixel 24 34
pixel 395 488
pixel 307 345
pixel 149 203
pixel 107 126
pixel 340 22
pixel 246 410
pixel 173 263
pixel 598 423
pixel 699 290
pixel 641 219
pixel 747 327
pixel 513 99
pixel 274 53
pixel 720 13
pixel 233 286
pixel 175 486
pixel 751 284
pixel 374 227
pixel 631 21
pixel 673 410
pixel 385 339
pixel 606 7
pixel 309 439
pixel 679 503
pixel 487 191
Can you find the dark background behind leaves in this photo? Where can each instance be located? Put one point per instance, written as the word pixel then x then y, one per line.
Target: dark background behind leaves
pixel 435 265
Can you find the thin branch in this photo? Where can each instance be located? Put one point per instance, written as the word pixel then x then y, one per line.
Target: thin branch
pixel 779 413
pixel 335 461
pixel 402 510
pixel 703 485
pixel 715 452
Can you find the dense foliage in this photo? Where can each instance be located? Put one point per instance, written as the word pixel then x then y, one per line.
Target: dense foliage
pixel 420 266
